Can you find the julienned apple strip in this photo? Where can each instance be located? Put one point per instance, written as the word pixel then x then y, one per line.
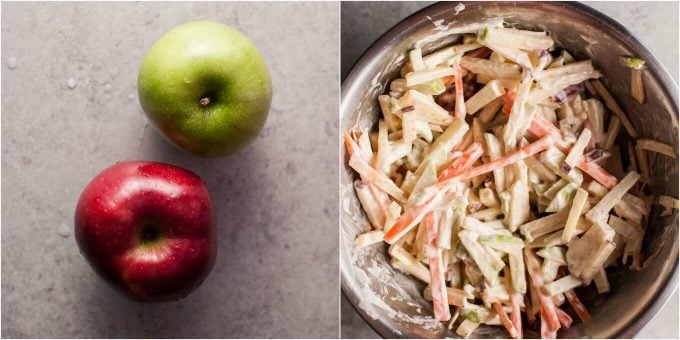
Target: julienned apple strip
pixel 415 213
pixel 369 174
pixel 379 196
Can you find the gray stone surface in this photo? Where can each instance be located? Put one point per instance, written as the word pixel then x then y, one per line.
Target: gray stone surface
pixel 70 109
pixel 364 22
pixel 654 23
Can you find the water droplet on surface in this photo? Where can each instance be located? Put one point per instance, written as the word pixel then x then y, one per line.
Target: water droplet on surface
pixel 71 83
pixel 64 230
pixel 107 87
pixel 12 63
pixel 131 96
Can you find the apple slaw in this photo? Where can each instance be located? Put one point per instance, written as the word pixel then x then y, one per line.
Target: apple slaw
pixel 496 177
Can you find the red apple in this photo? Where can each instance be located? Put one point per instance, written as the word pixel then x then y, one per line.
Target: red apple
pixel 148 228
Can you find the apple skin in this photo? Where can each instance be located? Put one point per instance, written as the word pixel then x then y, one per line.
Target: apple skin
pixel 199 60
pixel 148 228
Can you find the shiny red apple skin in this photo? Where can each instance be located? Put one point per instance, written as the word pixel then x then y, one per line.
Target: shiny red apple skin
pixel 148 228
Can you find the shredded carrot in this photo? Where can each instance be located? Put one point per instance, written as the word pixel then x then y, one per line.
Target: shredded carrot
pixel 508 100
pixel 516 315
pixel 565 319
pixel 522 153
pixel 548 312
pixel 350 144
pixel 448 80
pixel 598 173
pixel 540 127
pixel 548 309
pixel 440 300
pixel 409 219
pixel 546 332
pixel 460 110
pixel 505 320
pixel 576 304
pixel 469 157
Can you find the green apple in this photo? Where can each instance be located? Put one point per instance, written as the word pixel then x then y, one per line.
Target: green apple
pixel 206 88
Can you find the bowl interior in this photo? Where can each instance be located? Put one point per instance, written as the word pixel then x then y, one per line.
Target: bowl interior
pixel 391 301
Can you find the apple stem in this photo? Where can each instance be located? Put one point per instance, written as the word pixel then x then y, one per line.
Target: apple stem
pixel 204 101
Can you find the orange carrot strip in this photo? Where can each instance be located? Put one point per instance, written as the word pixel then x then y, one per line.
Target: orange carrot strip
pixel 350 144
pixel 469 157
pixel 598 173
pixel 565 319
pixel 540 127
pixel 522 153
pixel 440 299
pixel 409 219
pixel 504 319
pixel 516 315
pixel 460 110
pixel 546 332
pixel 548 312
pixel 508 100
pixel 576 304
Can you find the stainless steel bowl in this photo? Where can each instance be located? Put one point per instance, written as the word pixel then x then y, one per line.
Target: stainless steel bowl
pixel 390 301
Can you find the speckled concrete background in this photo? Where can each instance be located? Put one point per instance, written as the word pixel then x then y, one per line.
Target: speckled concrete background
pixel 655 23
pixel 70 109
